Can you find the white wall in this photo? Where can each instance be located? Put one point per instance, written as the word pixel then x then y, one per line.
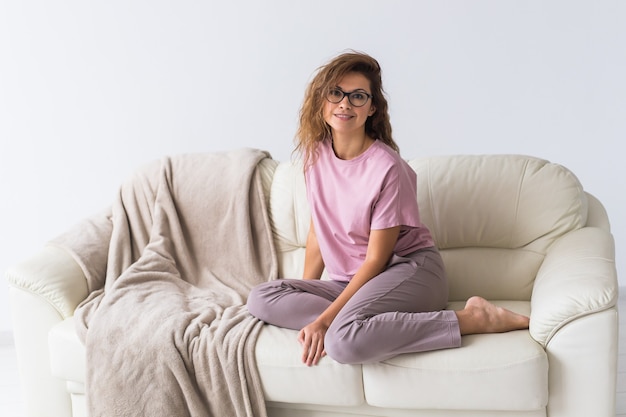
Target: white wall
pixel 91 90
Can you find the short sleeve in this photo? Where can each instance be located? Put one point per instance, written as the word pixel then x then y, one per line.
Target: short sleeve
pixel 397 201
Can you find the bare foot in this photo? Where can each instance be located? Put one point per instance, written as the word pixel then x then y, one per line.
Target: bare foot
pixel 481 316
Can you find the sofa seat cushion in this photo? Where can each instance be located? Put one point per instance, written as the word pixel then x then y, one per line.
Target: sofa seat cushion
pixel 286 379
pixel 283 376
pixel 475 376
pixel 506 371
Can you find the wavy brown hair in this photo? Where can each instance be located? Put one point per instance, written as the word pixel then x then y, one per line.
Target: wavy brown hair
pixel 313 128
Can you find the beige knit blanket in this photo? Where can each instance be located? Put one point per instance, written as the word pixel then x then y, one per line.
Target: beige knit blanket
pixel 166 331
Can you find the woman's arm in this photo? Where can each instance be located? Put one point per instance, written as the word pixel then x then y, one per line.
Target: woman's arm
pixel 313 262
pixel 379 251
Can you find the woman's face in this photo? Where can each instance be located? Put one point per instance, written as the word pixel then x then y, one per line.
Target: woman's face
pixel 344 117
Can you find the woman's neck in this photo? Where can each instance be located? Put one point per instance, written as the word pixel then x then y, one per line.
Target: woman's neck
pixel 349 147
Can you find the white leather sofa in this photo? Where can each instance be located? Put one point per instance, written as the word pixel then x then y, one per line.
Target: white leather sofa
pixel 517 230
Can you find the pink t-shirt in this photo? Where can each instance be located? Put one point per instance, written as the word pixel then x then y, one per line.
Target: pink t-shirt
pixel 348 198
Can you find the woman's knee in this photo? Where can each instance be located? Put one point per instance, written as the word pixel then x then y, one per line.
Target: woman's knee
pixel 257 300
pixel 345 347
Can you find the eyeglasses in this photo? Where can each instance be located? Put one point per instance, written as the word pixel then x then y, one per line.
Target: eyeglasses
pixel 356 98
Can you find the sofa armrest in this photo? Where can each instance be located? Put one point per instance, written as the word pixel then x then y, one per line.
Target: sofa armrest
pixel 52 275
pixel 43 290
pixel 577 278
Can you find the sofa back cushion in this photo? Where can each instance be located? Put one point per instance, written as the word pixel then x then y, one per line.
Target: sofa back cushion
pixel 493 217
pixel 290 217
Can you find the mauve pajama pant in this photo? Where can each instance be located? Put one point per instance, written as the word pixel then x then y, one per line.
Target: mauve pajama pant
pixel 398 311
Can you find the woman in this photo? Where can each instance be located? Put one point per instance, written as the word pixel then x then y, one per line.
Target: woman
pixel 387 287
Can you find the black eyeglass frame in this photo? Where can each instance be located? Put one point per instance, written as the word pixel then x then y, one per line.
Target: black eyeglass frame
pixel 348 94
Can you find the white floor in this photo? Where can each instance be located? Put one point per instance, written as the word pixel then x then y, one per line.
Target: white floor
pixel 11 402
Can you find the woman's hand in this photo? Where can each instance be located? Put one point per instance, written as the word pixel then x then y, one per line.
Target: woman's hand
pixel 312 339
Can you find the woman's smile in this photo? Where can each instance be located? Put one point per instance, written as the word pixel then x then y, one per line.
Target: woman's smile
pixel 343 116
